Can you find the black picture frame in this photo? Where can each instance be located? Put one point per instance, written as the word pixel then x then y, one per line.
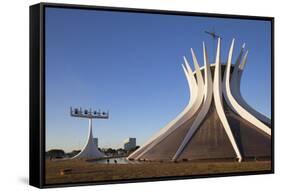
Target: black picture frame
pixel 37 91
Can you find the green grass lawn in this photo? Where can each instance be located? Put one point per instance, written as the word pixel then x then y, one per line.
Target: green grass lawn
pixel 82 171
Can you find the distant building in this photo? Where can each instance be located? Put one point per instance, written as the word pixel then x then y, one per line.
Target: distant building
pixel 96 141
pixel 129 144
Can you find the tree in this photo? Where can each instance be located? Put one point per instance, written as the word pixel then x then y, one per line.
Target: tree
pixel 55 153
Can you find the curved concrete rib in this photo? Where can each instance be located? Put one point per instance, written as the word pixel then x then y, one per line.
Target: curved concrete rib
pixel 235 84
pixel 193 94
pixel 218 103
pixel 192 84
pixel 190 112
pixel 233 104
pixel 208 93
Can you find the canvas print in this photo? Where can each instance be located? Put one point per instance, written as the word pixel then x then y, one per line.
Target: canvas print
pixel 133 96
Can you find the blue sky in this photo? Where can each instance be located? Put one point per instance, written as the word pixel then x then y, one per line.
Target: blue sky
pixel 130 64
